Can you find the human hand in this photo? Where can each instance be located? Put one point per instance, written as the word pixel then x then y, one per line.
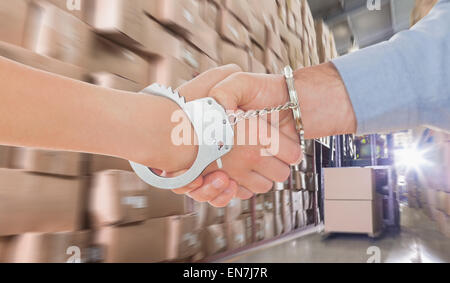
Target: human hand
pixel 246 169
pixel 323 114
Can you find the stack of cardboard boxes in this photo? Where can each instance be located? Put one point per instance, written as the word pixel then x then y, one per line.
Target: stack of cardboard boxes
pixel 56 205
pixel 42 205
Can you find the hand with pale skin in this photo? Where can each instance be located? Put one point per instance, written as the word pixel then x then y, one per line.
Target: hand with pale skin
pixel 324 102
pixel 58 113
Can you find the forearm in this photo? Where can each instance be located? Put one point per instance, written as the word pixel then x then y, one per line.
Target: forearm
pixel 42 110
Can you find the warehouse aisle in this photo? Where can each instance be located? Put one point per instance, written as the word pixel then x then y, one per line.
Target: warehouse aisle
pixel 419 241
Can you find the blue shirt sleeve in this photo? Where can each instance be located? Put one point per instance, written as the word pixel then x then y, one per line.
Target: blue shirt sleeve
pixel 403 83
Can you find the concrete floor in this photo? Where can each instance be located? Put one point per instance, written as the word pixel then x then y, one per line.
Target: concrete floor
pixel 418 241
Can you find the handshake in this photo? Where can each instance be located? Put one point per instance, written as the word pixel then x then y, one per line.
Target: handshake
pixel 261 154
pixel 264 147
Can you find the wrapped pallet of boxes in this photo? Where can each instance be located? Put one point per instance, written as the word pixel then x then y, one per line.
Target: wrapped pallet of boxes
pixel 351 202
pixel 39 203
pixel 248 223
pixel 13 16
pixel 62 247
pixel 155 240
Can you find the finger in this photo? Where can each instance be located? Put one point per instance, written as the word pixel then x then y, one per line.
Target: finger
pixel 283 148
pixel 196 88
pixel 192 186
pixel 226 196
pixel 250 91
pixel 214 185
pixel 244 194
pixel 273 169
pixel 256 183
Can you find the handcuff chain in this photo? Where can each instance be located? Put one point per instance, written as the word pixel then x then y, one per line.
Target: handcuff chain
pixel 240 115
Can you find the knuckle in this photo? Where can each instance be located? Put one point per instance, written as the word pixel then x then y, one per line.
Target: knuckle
pixel 296 154
pixel 284 175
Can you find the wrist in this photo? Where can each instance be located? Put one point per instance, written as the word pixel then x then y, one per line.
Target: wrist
pixel 160 143
pixel 325 105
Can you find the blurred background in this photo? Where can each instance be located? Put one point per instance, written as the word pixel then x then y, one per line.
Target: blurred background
pixel 391 191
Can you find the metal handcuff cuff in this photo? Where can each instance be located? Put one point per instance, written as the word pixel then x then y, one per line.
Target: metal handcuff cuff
pixel 212 148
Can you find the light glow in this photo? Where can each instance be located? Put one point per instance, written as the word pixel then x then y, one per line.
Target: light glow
pixel 410 158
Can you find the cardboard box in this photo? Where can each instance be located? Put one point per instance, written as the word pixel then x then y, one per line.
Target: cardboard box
pixel 297 201
pixel 206 39
pixel 349 183
pixel 109 80
pixel 99 163
pixel 217 215
pixel 248 223
pixel 12 21
pixel 62 247
pixel 301 219
pixel 5 248
pixel 169 71
pixel 52 32
pixel 240 9
pixel 235 234
pixel 257 31
pixel 179 15
pixel 68 164
pixel 164 203
pixel 256 66
pixel 106 56
pixel 272 63
pixel 156 240
pixel 38 203
pixel 260 227
pixel 353 216
pixel 286 211
pixel 118 20
pixel 214 239
pixel 233 55
pixel 259 202
pixel 44 63
pixel 76 8
pixel 269 227
pixel 207 63
pixel 258 52
pixel 5 154
pixel 232 30
pixel 269 204
pixel 209 12
pixel 118 197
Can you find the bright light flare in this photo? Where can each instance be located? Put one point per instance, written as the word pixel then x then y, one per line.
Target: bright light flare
pixel 410 158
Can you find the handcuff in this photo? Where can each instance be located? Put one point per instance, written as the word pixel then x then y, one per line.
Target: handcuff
pixel 210 148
